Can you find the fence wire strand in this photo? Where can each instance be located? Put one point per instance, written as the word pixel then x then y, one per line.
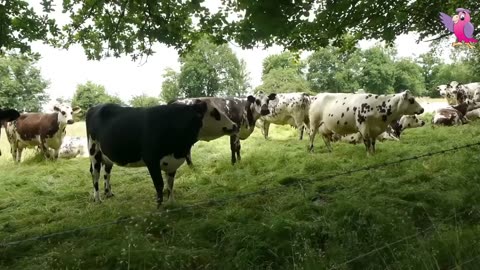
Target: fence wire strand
pixel 263 191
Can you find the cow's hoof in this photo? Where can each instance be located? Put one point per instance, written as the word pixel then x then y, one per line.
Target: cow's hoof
pixel 97 200
pixel 109 194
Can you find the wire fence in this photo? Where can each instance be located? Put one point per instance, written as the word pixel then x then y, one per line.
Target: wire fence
pixel 219 201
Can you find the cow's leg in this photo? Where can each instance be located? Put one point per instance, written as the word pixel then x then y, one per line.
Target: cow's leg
pixel 237 149
pixel 299 118
pixel 372 142
pixel 44 147
pixel 314 125
pixel 265 128
pixel 156 175
pixel 326 140
pixel 107 170
pixel 233 147
pixel 170 180
pixel 188 158
pixel 55 153
pixel 95 166
pixel 19 154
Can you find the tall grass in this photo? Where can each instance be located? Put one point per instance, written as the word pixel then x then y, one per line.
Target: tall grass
pixel 431 204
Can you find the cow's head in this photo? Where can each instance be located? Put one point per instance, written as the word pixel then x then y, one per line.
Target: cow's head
pixel 262 102
pixel 441 89
pixel 407 121
pixel 214 120
pixel 408 105
pixel 8 115
pixel 65 113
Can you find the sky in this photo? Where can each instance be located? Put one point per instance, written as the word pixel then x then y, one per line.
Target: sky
pixel 66 69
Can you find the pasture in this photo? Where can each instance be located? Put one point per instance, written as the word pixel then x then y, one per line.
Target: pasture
pixel 419 214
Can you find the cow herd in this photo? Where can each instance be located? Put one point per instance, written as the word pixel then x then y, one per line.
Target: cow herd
pixel 161 137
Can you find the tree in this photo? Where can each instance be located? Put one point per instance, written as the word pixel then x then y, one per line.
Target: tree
pixel 283 60
pixel 408 75
pixel 144 101
pixel 378 71
pixel 283 80
pixel 170 88
pixel 21 84
pixel 211 70
pixel 332 70
pixel 106 28
pixel 90 94
pixel 429 62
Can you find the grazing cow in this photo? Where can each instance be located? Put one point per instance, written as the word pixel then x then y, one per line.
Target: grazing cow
pixel 287 109
pixel 73 147
pixel 45 130
pixel 452 115
pixel 158 137
pixel 7 115
pixel 243 111
pixel 368 114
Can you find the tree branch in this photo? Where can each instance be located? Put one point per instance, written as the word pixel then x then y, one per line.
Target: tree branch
pixel 439 37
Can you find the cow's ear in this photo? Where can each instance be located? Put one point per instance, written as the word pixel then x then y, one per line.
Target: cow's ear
pixel 9 115
pixel 56 108
pixel 406 94
pixel 251 99
pixel 200 107
pixel 76 109
pixel 272 96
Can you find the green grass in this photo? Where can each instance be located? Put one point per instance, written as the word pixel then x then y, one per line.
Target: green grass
pixel 432 204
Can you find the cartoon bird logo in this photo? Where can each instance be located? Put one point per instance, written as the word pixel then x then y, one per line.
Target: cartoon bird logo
pixel 461 26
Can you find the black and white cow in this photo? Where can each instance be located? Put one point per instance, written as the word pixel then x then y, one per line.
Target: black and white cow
pixel 244 111
pixel 286 109
pixel 368 114
pixel 158 137
pixel 7 115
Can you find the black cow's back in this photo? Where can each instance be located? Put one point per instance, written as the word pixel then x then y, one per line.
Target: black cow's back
pixel 128 135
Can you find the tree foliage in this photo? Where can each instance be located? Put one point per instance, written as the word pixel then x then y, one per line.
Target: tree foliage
pixel 143 100
pixel 283 60
pixel 408 75
pixel 112 28
pixel 21 84
pixel 208 70
pixel 283 80
pixel 333 70
pixel 90 94
pixel 170 88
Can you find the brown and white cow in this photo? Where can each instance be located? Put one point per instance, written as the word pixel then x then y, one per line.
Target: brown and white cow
pixel 7 115
pixel 454 115
pixel 45 130
pixel 244 111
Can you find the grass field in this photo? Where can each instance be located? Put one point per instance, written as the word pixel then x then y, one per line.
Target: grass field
pixel 420 214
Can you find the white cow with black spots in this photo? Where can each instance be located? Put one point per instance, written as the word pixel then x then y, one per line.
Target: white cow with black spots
pixel 368 114
pixel 286 109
